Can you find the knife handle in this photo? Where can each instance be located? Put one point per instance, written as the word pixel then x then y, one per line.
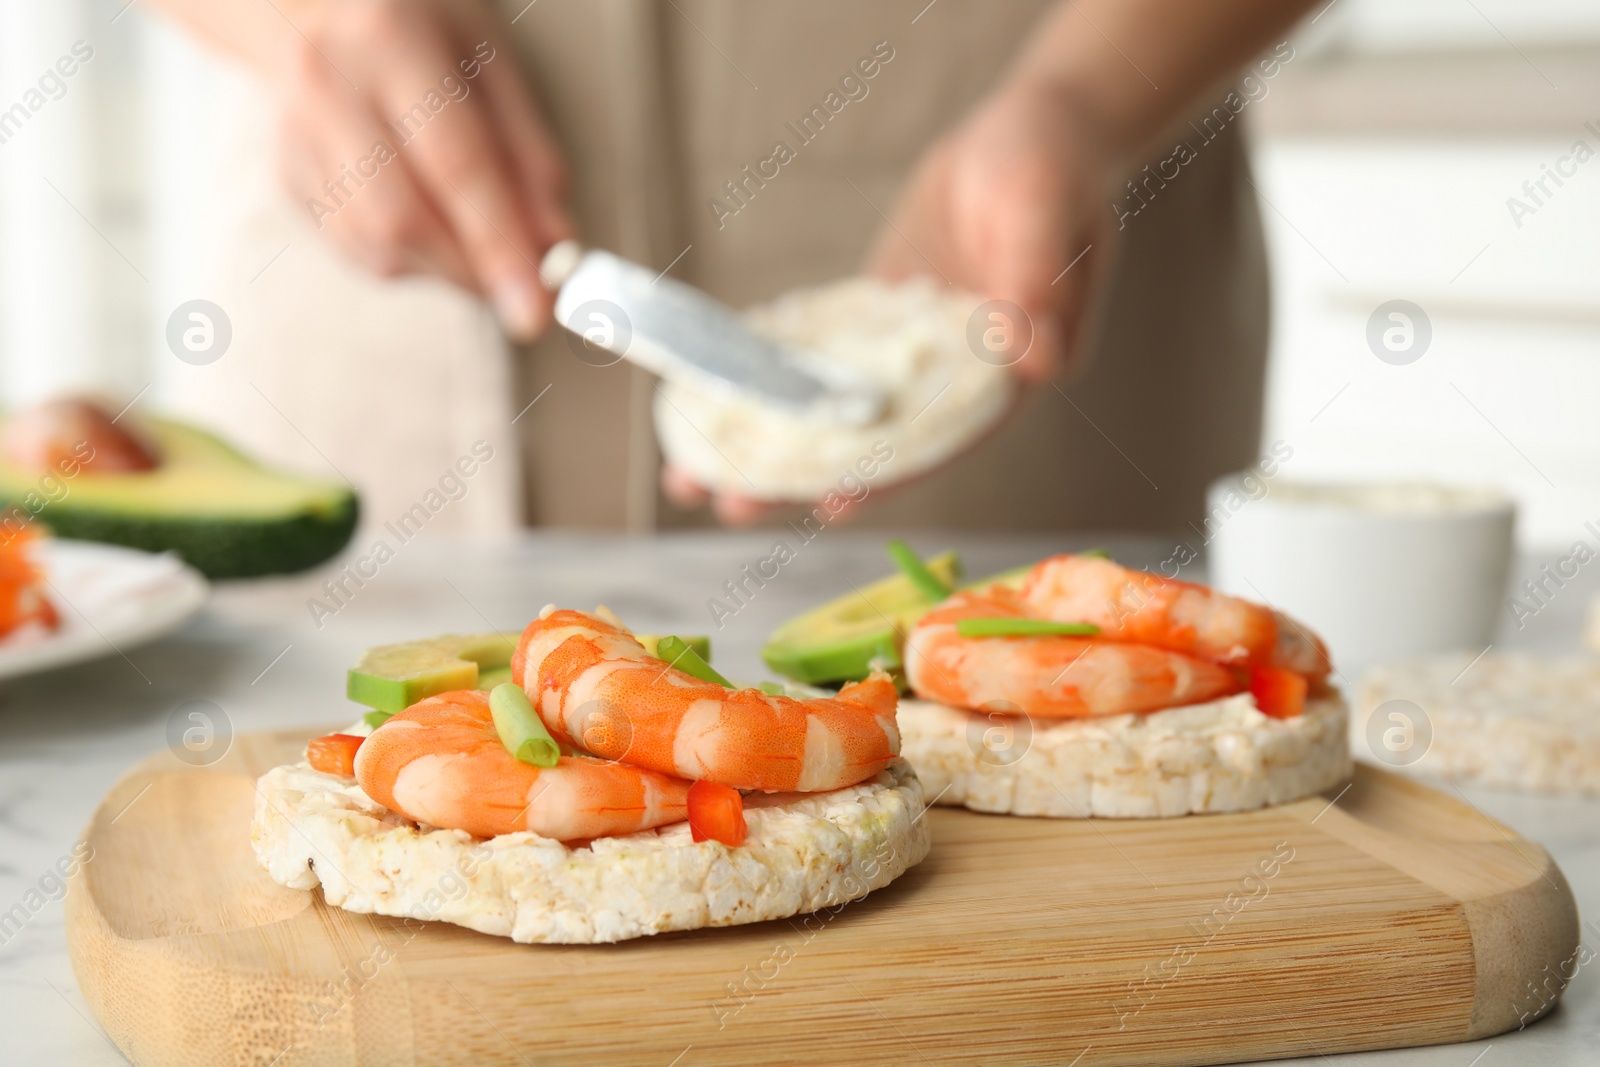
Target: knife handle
pixel 559 263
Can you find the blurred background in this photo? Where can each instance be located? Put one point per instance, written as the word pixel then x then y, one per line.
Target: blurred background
pixel 1386 153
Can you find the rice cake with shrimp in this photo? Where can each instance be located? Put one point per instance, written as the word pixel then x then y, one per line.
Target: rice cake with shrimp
pixel 561 806
pixel 1102 691
pixel 1218 756
pixel 803 852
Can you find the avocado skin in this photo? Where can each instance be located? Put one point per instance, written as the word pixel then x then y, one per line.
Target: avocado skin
pixel 216 547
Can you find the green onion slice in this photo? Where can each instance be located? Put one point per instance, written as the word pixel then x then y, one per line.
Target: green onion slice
pixel 1023 628
pixel 679 654
pixel 520 730
pixel 911 565
pixel 1097 553
pixel 376 719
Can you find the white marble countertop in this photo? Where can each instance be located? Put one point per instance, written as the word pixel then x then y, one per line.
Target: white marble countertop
pixel 257 653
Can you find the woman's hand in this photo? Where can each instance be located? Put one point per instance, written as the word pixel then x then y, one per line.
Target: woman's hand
pixel 1014 205
pixel 409 136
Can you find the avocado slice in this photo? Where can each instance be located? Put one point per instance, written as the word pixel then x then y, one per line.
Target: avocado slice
pixel 488 679
pixel 391 678
pixel 839 641
pixel 225 514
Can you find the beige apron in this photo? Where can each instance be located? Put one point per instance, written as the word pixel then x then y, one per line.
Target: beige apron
pixel 659 104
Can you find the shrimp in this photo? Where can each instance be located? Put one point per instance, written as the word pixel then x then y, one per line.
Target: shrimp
pixel 597 689
pixel 23 582
pixel 1130 605
pixel 1053 677
pixel 441 762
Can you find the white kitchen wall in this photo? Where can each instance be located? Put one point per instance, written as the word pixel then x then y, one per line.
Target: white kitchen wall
pixel 52 249
pixel 103 194
pixel 1505 392
pixel 1448 25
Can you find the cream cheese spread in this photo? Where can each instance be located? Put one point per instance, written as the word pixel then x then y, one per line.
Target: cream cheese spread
pixel 910 340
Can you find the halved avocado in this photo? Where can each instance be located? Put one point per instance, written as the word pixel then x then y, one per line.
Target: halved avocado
pixel 391 678
pixel 839 641
pixel 225 514
pixel 487 680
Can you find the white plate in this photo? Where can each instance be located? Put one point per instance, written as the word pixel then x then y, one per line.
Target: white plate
pixel 110 599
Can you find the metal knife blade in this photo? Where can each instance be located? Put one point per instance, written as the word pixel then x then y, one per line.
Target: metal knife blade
pixel 680 333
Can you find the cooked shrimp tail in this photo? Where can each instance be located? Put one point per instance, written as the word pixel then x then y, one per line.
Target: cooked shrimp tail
pixel 1137 606
pixel 441 762
pixel 597 689
pixel 1048 676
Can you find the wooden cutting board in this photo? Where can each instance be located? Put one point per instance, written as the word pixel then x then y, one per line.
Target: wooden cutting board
pixel 1397 916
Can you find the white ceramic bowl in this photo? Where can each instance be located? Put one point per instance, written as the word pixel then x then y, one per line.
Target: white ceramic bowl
pixel 1381 572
